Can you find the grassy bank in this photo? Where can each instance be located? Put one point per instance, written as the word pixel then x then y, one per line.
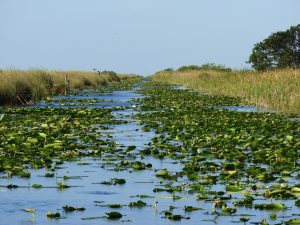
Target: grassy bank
pixel 18 86
pixel 279 89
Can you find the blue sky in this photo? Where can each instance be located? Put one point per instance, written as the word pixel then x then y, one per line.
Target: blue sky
pixel 136 36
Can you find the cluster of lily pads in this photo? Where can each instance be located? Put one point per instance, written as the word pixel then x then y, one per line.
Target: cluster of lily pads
pixel 36 138
pixel 45 137
pixel 63 102
pixel 229 158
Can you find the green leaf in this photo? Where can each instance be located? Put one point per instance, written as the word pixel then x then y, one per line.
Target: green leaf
pixel 32 140
pixel 114 215
pixel 43 135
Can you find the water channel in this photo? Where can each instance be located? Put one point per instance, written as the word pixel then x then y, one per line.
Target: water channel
pixel 86 173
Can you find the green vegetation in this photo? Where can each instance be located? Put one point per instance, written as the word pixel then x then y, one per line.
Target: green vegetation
pixel 277 89
pixel 271 206
pixel 114 181
pixel 34 136
pixel 114 215
pixel 205 131
pixel 68 208
pixel 254 155
pixel 207 162
pixel 53 215
pixel 138 204
pixel 207 66
pixel 18 86
pixel 279 50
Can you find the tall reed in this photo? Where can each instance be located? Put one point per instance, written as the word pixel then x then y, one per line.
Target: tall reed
pixel 32 85
pixel 278 89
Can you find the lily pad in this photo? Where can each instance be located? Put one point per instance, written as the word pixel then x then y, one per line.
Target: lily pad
pixel 52 215
pixel 114 215
pixel 68 208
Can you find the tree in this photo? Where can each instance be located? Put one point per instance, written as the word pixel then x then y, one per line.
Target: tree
pixel 207 66
pixel 279 50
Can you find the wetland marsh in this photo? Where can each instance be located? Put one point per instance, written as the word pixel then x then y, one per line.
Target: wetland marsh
pixel 147 154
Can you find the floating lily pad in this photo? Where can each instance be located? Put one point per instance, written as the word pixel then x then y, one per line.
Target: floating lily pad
pixel 271 206
pixel 68 208
pixel 54 215
pixel 114 215
pixel 292 221
pixel 62 185
pixel 188 208
pixel 114 181
pixel 37 186
pixel 138 204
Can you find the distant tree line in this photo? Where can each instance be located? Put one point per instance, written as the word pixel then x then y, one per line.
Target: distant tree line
pixel 207 66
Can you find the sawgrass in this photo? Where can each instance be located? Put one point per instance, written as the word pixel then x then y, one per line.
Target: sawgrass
pixel 33 85
pixel 278 89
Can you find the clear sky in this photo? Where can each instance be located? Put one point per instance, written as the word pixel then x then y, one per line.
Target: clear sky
pixel 136 36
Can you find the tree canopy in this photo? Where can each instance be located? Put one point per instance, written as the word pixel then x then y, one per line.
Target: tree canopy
pixel 279 50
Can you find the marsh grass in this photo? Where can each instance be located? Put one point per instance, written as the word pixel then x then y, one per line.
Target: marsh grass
pixel 33 85
pixel 278 89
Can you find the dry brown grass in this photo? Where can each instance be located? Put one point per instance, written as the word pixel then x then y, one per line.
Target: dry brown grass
pixel 278 89
pixel 36 84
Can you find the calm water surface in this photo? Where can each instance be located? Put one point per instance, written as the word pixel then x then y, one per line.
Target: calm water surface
pixel 89 171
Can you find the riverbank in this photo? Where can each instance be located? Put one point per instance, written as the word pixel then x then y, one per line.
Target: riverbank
pixel 278 89
pixel 21 87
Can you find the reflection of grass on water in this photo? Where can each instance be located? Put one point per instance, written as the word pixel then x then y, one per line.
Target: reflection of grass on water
pixel 278 89
pixel 32 85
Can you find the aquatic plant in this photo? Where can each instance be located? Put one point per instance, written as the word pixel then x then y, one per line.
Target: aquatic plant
pixel 114 181
pixel 278 89
pixel 69 208
pixel 22 87
pixel 53 215
pixel 114 215
pixel 138 204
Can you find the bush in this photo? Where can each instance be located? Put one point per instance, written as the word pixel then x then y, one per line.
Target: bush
pixel 207 66
pixel 188 68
